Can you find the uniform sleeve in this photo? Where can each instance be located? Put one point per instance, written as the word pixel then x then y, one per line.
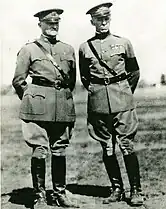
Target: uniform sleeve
pixel 72 72
pixel 21 71
pixel 131 66
pixel 84 68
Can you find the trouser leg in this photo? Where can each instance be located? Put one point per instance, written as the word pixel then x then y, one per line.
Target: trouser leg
pixel 101 128
pixel 59 140
pixel 126 128
pixel 35 134
pixel 58 145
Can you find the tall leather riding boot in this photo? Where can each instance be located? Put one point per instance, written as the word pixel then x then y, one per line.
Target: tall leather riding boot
pixel 113 170
pixel 38 179
pixel 132 167
pixel 58 166
pixel 58 170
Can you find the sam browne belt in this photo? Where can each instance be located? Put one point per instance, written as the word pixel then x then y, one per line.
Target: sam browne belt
pixel 108 81
pixel 57 84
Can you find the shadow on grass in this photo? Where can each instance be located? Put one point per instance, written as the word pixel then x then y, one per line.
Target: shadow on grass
pixel 26 196
pixel 94 191
pixel 23 196
pixel 89 190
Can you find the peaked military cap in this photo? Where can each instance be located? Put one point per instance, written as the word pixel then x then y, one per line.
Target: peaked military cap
pixel 100 10
pixel 49 15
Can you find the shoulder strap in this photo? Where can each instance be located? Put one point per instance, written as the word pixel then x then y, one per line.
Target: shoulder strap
pixel 50 57
pixel 102 63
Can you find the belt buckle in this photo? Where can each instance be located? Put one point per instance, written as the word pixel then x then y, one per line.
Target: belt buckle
pixel 106 81
pixel 56 85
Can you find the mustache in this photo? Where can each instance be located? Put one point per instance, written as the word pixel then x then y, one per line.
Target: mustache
pixel 52 29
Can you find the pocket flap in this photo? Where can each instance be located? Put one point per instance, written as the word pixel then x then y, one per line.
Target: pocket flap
pixel 39 94
pixel 117 49
pixel 66 57
pixel 41 58
pixel 33 104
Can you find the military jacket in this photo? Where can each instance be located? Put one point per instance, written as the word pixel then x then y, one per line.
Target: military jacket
pixel 42 103
pixel 118 53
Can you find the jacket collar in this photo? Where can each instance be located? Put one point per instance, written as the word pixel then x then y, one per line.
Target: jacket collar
pixel 48 39
pixel 102 35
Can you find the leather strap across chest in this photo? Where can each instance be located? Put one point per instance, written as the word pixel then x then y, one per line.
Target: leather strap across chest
pixel 52 60
pixel 101 62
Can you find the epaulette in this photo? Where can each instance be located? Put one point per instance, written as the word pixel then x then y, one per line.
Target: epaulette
pixel 58 40
pixel 62 42
pixel 30 42
pixel 27 43
pixel 116 36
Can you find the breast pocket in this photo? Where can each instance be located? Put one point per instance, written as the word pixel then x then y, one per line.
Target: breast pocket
pixel 33 103
pixel 66 57
pixel 66 62
pixel 116 55
pixel 39 60
pixel 116 50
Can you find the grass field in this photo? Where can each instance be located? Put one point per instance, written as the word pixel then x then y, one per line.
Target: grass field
pixel 86 176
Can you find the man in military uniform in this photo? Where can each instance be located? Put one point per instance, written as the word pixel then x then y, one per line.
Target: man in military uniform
pixel 47 108
pixel 110 73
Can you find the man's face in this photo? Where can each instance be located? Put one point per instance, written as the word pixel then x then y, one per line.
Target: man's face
pixel 49 28
pixel 102 24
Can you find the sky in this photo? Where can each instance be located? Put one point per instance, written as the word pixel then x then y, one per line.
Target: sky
pixel 141 21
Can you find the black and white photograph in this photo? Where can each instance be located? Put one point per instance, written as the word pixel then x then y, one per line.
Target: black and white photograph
pixel 83 104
